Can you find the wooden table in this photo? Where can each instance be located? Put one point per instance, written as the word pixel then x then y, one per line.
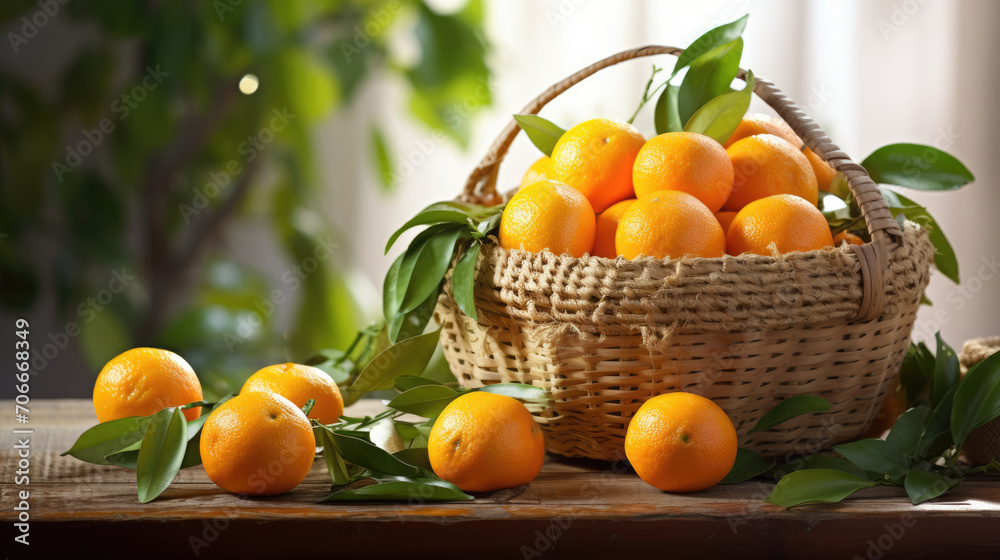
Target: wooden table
pixel 582 509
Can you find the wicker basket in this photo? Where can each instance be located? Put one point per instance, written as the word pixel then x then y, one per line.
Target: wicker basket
pixel 983 444
pixel 749 331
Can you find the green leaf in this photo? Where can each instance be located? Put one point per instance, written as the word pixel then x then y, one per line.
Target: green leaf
pixel 408 357
pixel 917 167
pixel 380 149
pixel 719 117
pixel 665 115
pixel 834 207
pixel 937 434
pixel 491 224
pixel 334 462
pixel 815 485
pixel 904 436
pixel 925 485
pixel 913 374
pixel 126 458
pixel 542 133
pixel 946 370
pixel 393 298
pixel 429 268
pixel 710 75
pixel 108 438
pixel 390 299
pixel 711 39
pixel 161 453
pixel 463 281
pixel 129 456
pixel 977 398
pixel 416 456
pixel 790 408
pixel 414 490
pixel 427 400
pixel 407 382
pixel 439 212
pixel 520 391
pixel 748 465
pixel 368 455
pixel 874 455
pixel 413 323
pixel 944 257
pixel 836 463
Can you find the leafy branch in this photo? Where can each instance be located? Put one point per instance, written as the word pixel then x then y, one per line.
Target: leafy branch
pixel 920 452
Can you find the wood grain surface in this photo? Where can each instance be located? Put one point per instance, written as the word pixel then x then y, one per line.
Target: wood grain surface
pixel 580 509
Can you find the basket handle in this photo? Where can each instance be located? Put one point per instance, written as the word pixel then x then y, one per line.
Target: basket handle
pixel 882 227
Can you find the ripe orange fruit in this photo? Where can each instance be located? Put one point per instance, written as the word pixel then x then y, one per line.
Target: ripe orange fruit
pixel 258 444
pixel 725 218
pixel 849 237
pixel 483 442
pixel 537 172
pixel 607 225
pixel 596 157
pixel 767 165
pixel 764 124
pixel 669 224
pixel 299 383
pixel 788 221
pixel 681 442
pixel 687 162
pixel 548 215
pixel 142 381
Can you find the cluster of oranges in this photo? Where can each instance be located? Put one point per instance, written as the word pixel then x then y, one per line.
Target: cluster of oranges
pixel 256 443
pixel 261 443
pixel 609 192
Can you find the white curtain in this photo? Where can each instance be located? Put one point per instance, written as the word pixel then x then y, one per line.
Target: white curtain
pixel 871 72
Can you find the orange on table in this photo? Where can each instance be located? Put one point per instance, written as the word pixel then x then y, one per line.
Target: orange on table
pixel 607 225
pixel 681 442
pixel 687 162
pixel 765 124
pixel 849 237
pixel 767 165
pixel 537 172
pixel 669 224
pixel 483 442
pixel 725 218
pixel 596 157
pixel 142 381
pixel 299 383
pixel 786 220
pixel 258 444
pixel 548 215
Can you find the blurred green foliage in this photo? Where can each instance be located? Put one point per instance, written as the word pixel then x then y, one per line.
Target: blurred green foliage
pixel 178 152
